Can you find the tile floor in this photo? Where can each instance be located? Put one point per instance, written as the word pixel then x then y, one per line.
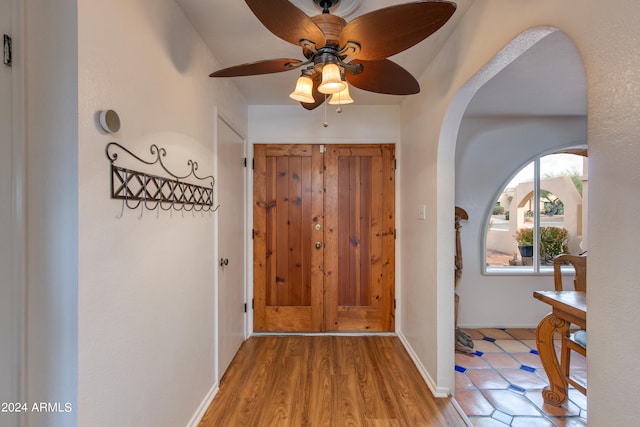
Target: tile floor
pixel 501 384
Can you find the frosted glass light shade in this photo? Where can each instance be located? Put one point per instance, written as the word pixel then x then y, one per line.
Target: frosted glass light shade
pixel 304 90
pixel 341 97
pixel 331 80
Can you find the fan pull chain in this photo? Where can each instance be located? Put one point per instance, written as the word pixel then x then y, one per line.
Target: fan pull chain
pixel 326 123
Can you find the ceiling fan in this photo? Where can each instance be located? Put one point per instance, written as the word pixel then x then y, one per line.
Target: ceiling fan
pixel 328 41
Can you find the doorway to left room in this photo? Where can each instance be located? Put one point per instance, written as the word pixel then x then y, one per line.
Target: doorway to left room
pixel 231 243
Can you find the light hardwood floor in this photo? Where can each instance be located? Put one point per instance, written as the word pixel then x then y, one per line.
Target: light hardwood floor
pixel 326 381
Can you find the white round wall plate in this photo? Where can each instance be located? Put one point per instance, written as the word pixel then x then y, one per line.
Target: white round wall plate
pixel 110 121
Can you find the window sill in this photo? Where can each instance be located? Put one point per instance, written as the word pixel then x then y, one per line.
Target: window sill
pixel 524 270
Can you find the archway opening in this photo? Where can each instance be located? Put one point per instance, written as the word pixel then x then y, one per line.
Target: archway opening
pixel 529 100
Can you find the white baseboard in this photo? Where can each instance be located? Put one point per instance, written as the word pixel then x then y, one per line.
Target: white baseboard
pixel 464 416
pixel 195 419
pixel 511 326
pixel 437 391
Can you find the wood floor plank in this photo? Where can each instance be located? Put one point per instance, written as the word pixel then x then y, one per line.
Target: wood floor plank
pixel 381 404
pixel 326 381
pixel 321 370
pixel 244 403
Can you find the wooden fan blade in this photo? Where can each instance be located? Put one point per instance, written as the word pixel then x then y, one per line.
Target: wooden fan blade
pixel 386 32
pixel 317 96
pixel 266 66
pixel 383 76
pixel 286 21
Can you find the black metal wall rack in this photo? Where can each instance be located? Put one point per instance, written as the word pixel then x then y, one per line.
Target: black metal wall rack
pixel 136 188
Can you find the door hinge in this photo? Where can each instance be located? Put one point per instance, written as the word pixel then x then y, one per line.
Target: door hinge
pixel 253 163
pixel 394 303
pixel 245 307
pixel 253 234
pixel 6 57
pixel 395 234
pixel 253 304
pixel 395 164
pixel 245 162
pixel 322 149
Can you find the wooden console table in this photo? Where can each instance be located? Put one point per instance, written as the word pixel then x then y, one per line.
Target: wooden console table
pixel 567 307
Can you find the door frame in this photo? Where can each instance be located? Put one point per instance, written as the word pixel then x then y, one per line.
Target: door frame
pixel 398 221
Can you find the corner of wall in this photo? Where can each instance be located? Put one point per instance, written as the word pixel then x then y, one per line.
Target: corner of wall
pixel 437 391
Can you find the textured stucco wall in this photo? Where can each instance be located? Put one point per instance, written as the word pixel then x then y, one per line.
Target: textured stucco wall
pixel 604 36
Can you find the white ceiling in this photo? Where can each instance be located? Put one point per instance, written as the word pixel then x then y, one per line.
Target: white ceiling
pixel 236 36
pixel 548 79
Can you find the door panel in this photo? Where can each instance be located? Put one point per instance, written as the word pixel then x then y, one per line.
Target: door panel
pixel 231 238
pixel 360 238
pixel 290 270
pixel 287 266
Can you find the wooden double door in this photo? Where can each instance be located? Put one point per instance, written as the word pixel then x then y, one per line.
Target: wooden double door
pixel 324 238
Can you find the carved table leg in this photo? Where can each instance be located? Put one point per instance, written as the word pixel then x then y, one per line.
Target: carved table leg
pixel 556 393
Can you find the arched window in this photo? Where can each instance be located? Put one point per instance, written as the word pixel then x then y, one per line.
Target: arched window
pixel 539 214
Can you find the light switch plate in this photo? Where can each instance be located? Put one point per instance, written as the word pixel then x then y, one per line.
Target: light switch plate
pixel 422 212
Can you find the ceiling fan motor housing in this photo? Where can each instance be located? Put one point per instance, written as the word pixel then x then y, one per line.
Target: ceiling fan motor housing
pixel 324 57
pixel 331 26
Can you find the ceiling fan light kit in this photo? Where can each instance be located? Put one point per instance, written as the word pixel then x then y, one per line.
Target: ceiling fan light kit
pixel 339 53
pixel 341 97
pixel 303 91
pixel 331 80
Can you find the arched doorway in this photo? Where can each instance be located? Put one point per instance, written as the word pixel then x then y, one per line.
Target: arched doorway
pixel 528 100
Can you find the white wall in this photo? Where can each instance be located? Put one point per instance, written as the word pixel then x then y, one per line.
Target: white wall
pixel 488 151
pixel 146 279
pixel 602 34
pixel 612 61
pixel 52 201
pixel 293 124
pixel 11 304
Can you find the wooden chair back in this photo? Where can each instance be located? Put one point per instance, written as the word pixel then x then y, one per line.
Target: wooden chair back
pixel 579 264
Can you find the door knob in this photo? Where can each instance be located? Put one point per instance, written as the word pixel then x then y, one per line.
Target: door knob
pixel 224 261
pixel 318 245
